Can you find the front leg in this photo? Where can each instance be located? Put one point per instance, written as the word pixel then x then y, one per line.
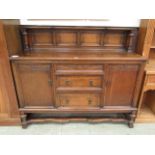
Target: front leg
pixel 24 120
pixel 132 117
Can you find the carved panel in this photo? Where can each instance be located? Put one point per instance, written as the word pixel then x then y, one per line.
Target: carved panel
pixel 120 39
pixel 40 38
pixel 66 38
pixel 34 84
pixel 121 93
pixel 114 38
pixel 90 38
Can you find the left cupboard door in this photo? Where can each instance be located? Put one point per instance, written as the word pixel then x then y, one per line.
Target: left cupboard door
pixel 34 85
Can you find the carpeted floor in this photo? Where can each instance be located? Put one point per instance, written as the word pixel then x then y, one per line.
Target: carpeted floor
pixel 80 129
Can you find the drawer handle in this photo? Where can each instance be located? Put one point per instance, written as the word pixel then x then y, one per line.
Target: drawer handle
pixel 67 83
pixel 91 83
pixel 89 101
pixel 50 82
pixel 66 102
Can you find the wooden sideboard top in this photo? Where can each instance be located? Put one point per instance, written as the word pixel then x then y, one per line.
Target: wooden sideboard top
pixel 78 55
pixel 103 38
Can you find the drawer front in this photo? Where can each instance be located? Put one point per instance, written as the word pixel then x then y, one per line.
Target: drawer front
pixel 78 100
pixel 79 67
pixel 79 81
pixel 151 79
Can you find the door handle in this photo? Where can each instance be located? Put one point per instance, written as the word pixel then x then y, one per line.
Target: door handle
pixel 91 83
pixel 89 101
pixel 67 82
pixel 50 82
pixel 66 101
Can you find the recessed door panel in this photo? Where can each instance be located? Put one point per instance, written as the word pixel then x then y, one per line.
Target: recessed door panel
pixel 121 83
pixel 34 85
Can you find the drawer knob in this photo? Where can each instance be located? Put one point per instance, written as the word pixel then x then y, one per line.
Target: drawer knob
pixel 66 101
pixel 91 83
pixel 67 83
pixel 89 101
pixel 50 82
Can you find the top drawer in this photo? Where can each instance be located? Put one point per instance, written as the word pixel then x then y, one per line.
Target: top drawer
pixel 79 70
pixel 79 67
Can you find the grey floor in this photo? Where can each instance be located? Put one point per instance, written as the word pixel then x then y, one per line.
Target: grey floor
pixel 80 129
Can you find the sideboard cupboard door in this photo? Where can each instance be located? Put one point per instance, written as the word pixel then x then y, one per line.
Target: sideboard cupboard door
pixel 34 85
pixel 121 83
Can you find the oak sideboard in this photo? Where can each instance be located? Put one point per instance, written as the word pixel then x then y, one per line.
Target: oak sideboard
pixel 76 73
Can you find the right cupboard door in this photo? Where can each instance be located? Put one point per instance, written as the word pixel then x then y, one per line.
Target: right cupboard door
pixel 121 84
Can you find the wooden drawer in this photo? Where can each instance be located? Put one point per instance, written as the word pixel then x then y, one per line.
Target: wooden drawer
pixel 78 100
pixel 151 79
pixel 79 67
pixel 79 70
pixel 79 81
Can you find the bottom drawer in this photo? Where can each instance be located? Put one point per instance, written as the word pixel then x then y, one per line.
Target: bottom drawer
pixel 78 100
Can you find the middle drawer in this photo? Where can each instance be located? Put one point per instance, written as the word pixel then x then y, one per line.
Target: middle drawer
pixel 79 81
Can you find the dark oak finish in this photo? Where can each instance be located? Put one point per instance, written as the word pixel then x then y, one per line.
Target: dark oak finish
pixel 35 83
pixel 121 81
pixel 78 74
pixel 48 37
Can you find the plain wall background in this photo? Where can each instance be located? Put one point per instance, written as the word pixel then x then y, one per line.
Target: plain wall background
pixel 83 22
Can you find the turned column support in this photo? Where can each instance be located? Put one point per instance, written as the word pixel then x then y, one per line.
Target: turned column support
pixel 24 120
pixel 132 40
pixel 25 39
pixel 132 117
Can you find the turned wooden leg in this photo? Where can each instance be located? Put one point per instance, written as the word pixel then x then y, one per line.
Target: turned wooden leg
pixel 23 120
pixel 130 124
pixel 132 117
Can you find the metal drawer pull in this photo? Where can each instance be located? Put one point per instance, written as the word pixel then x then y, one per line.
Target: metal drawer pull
pixel 66 102
pixel 50 82
pixel 91 83
pixel 89 101
pixel 67 83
